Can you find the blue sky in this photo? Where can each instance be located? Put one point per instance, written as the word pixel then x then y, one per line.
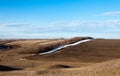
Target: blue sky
pixel 59 18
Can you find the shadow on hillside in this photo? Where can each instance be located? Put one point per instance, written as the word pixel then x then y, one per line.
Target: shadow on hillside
pixel 6 68
pixel 7 47
pixel 60 66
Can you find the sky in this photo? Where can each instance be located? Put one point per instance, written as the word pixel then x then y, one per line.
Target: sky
pixel 26 19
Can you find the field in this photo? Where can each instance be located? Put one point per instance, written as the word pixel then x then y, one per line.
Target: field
pixel 98 57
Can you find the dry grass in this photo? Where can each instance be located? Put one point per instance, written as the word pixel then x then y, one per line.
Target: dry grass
pixel 38 46
pixel 109 68
pixel 44 46
pixel 99 57
pixel 96 50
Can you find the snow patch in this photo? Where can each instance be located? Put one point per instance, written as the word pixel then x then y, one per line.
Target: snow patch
pixel 65 46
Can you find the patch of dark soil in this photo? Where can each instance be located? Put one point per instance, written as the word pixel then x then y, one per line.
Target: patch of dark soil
pixel 6 68
pixel 57 66
pixel 7 47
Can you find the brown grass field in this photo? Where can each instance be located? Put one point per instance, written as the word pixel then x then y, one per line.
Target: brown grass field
pixel 98 57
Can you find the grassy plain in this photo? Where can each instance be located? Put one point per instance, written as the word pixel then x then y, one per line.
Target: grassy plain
pixel 99 57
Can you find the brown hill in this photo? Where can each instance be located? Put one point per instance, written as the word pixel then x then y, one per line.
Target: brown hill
pixel 95 50
pixel 99 57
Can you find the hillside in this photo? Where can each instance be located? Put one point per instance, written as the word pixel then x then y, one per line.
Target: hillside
pixel 97 57
pixel 95 50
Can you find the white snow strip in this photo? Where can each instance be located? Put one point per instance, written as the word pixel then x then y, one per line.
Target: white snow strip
pixel 62 47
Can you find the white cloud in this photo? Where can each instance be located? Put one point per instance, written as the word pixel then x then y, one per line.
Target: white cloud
pixel 75 23
pixel 109 14
pixel 57 25
pixel 62 28
pixel 87 24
